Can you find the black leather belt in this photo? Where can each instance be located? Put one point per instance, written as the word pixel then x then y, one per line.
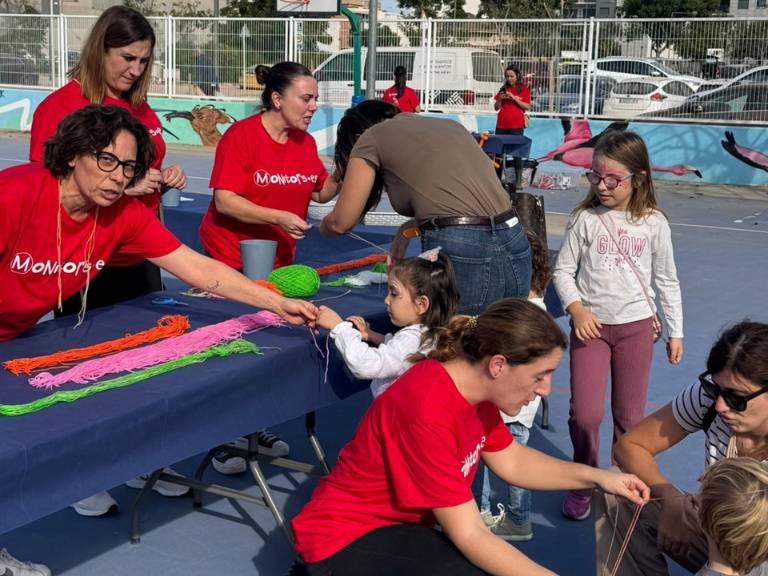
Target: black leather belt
pixel 445 221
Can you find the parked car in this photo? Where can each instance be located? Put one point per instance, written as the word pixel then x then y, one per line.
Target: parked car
pixel 758 75
pixel 571 94
pixel 16 69
pixel 634 97
pixel 460 76
pixel 747 102
pixel 624 68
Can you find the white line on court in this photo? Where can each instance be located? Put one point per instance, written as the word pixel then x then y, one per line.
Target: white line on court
pixel 725 228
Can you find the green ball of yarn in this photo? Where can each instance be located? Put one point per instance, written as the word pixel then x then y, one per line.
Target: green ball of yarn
pixel 296 280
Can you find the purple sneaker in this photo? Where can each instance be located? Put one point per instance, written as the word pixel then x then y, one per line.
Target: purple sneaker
pixel 576 506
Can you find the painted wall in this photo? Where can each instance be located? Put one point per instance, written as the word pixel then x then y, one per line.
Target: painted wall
pixel 202 122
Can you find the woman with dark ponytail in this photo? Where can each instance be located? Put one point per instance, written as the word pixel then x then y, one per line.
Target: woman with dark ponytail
pixel 400 95
pixel 412 460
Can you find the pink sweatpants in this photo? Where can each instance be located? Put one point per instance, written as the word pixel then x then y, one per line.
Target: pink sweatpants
pixel 625 349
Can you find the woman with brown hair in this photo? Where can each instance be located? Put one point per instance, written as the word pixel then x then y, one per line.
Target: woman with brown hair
pixel 115 70
pixel 411 462
pixel 729 403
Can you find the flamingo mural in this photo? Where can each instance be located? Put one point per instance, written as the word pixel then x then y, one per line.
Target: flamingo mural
pixel 748 156
pixel 579 144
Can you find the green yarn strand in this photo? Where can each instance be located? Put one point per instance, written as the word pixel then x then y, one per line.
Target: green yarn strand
pixel 222 350
pixel 295 280
pixel 380 267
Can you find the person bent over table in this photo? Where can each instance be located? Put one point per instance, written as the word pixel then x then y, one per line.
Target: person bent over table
pixel 60 221
pixel 413 457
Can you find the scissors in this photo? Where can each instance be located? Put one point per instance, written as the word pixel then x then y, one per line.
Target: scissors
pixel 168 302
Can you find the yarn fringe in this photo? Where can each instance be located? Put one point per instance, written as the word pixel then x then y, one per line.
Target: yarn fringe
pixel 228 349
pixel 167 327
pixel 167 350
pixel 350 264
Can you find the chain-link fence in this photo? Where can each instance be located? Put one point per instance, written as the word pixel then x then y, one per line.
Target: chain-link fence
pixel 698 69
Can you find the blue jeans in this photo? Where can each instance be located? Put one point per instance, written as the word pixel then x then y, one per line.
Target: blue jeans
pixel 519 505
pixel 491 263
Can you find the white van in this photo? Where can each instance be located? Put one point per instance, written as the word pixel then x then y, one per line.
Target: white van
pixel 459 77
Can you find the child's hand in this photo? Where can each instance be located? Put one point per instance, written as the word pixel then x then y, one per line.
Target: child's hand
pixel 675 350
pixel 327 318
pixel 586 325
pixel 360 325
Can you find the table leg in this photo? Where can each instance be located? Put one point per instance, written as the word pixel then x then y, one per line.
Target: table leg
pixel 266 494
pixel 135 518
pixel 309 421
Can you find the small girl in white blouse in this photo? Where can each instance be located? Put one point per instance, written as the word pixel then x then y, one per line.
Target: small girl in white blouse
pixel 421 297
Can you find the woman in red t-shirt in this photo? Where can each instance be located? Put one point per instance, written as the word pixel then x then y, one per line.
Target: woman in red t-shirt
pixel 413 457
pixel 512 102
pixel 400 95
pixel 114 69
pixel 267 170
pixel 73 217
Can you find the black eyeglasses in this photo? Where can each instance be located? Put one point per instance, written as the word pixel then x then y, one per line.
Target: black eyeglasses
pixel 108 162
pixel 733 400
pixel 611 182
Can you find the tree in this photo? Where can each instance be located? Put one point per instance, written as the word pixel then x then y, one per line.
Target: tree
pixel 421 8
pixel 663 35
pixel 521 8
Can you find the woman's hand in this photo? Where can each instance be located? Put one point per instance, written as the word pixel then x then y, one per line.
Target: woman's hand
pixel 327 318
pixel 295 226
pixel 297 311
pixel 675 350
pixel 174 177
pixel 585 324
pixel 150 184
pixel 360 325
pixel 627 486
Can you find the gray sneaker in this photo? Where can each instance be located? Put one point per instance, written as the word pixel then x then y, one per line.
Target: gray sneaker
pixel 10 566
pixel 512 532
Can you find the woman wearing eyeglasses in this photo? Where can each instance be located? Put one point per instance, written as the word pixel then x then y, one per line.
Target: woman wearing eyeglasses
pixel 729 403
pixel 73 217
pixel 114 69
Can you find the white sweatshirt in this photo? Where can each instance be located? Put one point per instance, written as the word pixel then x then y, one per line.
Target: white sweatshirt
pixel 385 363
pixel 591 269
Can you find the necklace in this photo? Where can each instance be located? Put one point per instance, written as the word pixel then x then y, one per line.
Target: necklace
pixel 90 244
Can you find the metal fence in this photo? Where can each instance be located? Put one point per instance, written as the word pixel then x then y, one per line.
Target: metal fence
pixel 705 70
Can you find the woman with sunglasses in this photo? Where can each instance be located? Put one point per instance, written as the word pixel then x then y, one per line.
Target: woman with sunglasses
pixel 114 69
pixel 729 403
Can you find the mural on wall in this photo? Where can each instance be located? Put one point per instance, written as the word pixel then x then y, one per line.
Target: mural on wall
pixel 749 157
pixel 691 152
pixel 578 147
pixel 204 120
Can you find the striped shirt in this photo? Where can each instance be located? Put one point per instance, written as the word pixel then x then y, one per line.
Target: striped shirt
pixel 690 408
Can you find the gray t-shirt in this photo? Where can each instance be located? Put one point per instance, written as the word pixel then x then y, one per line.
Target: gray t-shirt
pixel 432 167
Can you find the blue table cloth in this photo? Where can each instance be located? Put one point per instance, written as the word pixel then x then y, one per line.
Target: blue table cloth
pixel 59 455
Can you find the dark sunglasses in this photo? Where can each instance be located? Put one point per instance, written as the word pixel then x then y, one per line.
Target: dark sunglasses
pixel 733 400
pixel 108 162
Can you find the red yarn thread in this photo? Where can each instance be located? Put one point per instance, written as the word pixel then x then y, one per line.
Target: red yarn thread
pixel 167 327
pixel 350 264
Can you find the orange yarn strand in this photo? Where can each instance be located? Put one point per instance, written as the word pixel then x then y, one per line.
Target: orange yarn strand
pixel 350 264
pixel 269 286
pixel 167 327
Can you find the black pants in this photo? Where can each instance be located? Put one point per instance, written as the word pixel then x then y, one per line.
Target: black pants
pixel 400 550
pixel 518 162
pixel 115 284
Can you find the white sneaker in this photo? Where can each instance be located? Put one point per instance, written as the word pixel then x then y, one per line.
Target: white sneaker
pixel 12 567
pixel 269 445
pixel 96 505
pixel 161 486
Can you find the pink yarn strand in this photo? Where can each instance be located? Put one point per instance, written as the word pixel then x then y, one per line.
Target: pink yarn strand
pixel 171 349
pixel 625 544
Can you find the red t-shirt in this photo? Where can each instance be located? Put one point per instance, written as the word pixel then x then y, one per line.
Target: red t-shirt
pixel 510 114
pixel 408 102
pixel 29 201
pixel 69 98
pixel 280 176
pixel 416 449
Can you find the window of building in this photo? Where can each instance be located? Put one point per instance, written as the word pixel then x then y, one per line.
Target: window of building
pixel 743 4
